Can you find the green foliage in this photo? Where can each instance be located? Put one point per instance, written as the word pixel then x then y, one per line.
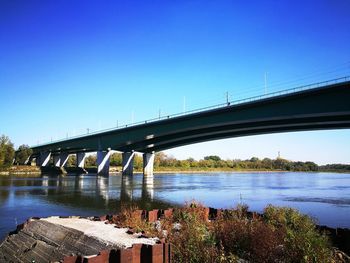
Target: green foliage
pixel 90 160
pixel 116 159
pixel 215 162
pixel 302 242
pixel 72 160
pixel 23 154
pixel 335 167
pixel 281 235
pixel 215 158
pixel 194 241
pixel 7 152
pixel 138 162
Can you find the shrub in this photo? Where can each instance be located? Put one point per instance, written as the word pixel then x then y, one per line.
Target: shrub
pixel 130 216
pixel 303 243
pixel 193 241
pixel 279 235
pixel 251 239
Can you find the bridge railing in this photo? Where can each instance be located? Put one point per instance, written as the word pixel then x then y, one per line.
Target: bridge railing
pixel 212 107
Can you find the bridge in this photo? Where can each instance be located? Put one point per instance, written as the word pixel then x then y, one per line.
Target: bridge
pixel 323 105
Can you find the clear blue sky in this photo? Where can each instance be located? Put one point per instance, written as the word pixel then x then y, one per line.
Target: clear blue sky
pixel 66 66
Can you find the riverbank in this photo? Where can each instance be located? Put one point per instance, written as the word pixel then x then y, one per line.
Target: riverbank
pixel 191 233
pixel 160 170
pixel 25 170
pixel 21 170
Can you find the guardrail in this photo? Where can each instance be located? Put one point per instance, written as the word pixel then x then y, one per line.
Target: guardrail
pixel 217 106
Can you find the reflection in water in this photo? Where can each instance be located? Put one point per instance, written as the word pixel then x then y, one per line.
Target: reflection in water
pixel 86 195
pixel 324 196
pixel 148 187
pixel 126 191
pixel 129 192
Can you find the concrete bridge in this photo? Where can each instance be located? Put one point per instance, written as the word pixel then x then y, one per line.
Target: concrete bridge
pixel 324 105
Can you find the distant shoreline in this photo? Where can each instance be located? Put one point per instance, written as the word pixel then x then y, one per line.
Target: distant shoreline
pixel 24 170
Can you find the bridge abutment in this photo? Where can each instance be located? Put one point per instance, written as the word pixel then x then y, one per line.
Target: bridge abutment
pixel 103 162
pixel 81 160
pixel 128 163
pixel 148 161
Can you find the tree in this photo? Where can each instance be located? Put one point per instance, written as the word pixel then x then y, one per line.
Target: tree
pixel 281 164
pixel 7 151
pixel 90 161
pixel 254 159
pixel 23 153
pixel 138 161
pixel 267 163
pixel 159 159
pixel 72 160
pixel 212 157
pixel 116 159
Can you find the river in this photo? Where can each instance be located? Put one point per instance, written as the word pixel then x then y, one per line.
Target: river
pixel 324 196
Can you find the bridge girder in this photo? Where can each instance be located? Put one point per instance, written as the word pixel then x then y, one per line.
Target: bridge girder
pixel 326 107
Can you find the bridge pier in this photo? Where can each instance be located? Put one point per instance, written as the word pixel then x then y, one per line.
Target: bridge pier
pixel 81 160
pixel 56 161
pixel 103 162
pixel 44 159
pixel 148 161
pixel 128 163
pixel 29 160
pixel 63 159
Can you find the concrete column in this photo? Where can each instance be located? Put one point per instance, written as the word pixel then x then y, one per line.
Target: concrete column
pixel 29 160
pixel 37 160
pixel 56 161
pixel 128 163
pixel 63 159
pixel 148 161
pixel 45 158
pixel 80 160
pixel 103 162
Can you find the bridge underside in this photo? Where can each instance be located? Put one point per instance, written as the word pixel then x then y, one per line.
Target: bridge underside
pixel 321 108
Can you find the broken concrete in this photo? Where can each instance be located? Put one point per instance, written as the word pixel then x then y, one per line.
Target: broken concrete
pixel 55 239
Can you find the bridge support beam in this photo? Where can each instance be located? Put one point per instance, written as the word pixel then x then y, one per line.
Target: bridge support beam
pixel 64 159
pixel 128 163
pixel 44 158
pixel 148 161
pixel 81 160
pixel 103 162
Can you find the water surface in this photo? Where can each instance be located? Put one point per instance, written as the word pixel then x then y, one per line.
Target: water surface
pixel 324 196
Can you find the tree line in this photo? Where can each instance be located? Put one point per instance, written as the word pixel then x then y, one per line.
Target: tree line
pixel 215 162
pixel 8 157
